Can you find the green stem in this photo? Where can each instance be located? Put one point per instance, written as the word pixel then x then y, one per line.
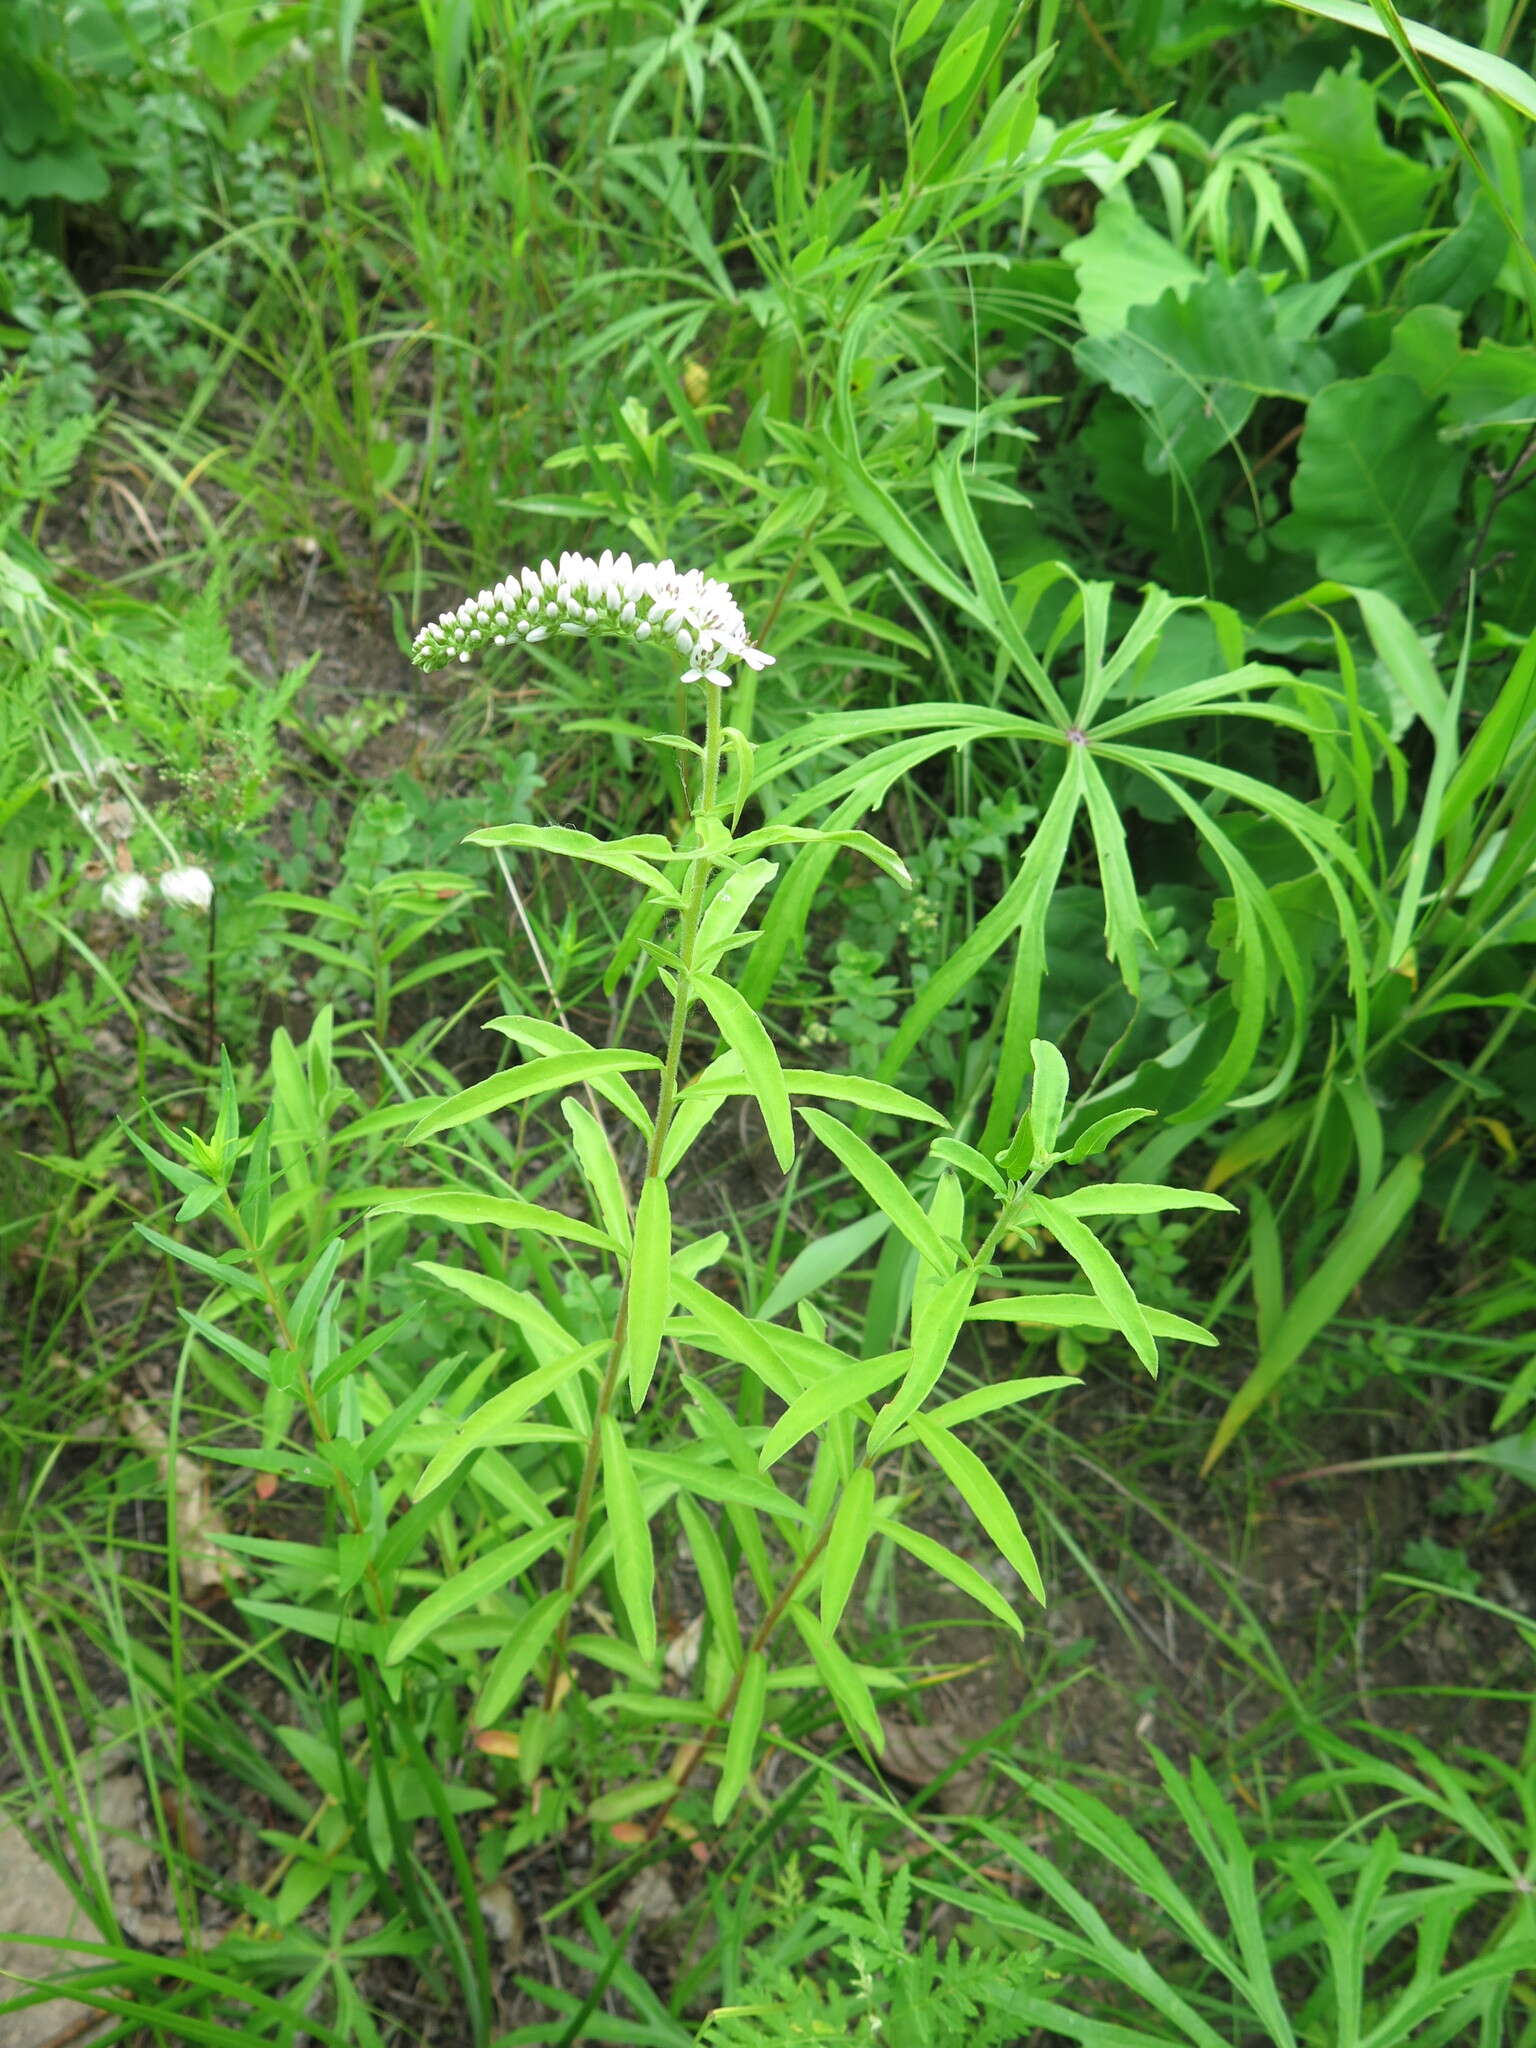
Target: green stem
pixel 666 1105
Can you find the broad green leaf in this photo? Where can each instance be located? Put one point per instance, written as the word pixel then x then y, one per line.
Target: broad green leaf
pixel 745 1033
pixel 634 1561
pixel 846 1546
pixel 533 1077
pixel 514 1661
pixel 1375 495
pixel 1102 1274
pixel 1319 1300
pixel 650 1286
pixel 741 1743
pixel 1123 262
pixel 883 1187
pixel 1197 361
pixel 459 1205
pixel 471 1584
pixel 944 1563
pixel 984 1497
pixel 832 1396
pixel 632 857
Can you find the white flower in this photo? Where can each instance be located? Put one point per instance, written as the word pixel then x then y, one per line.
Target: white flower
pixel 126 894
pixel 654 601
pixel 187 888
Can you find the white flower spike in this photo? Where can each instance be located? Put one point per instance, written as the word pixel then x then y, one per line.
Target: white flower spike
pixel 187 888
pixel 695 614
pixel 126 894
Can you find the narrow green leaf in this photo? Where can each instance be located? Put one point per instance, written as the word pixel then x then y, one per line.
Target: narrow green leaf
pixel 471 1584
pixel 984 1497
pixel 650 1289
pixel 850 1694
pixel 692 1475
pixel 211 1269
pixel 822 1260
pixel 498 1421
pixel 634 1561
pixel 516 1658
pixel 818 1404
pixel 533 1077
pixel 846 1546
pixel 459 1205
pixel 1102 1131
pixel 1319 1300
pixel 714 1575
pixel 1133 1198
pixel 833 1084
pixel 936 1322
pixel 741 1742
pixel 632 856
pixel 745 1033
pixel 880 1182
pixel 1102 1275
pixel 944 1563
pixel 751 1343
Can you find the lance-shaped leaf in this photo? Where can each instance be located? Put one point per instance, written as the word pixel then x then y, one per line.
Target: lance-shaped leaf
pixel 744 1032
pixel 883 1187
pixel 632 857
pixel 1102 1274
pixel 650 1285
pixel 634 1561
pixel 846 1546
pixel 741 1743
pixel 984 1497
pixel 471 1584
pixel 533 1077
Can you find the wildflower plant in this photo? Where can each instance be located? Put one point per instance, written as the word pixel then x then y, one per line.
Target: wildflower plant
pixel 510 1497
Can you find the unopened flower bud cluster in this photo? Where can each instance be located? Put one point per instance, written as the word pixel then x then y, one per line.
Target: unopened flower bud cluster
pixel 654 602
